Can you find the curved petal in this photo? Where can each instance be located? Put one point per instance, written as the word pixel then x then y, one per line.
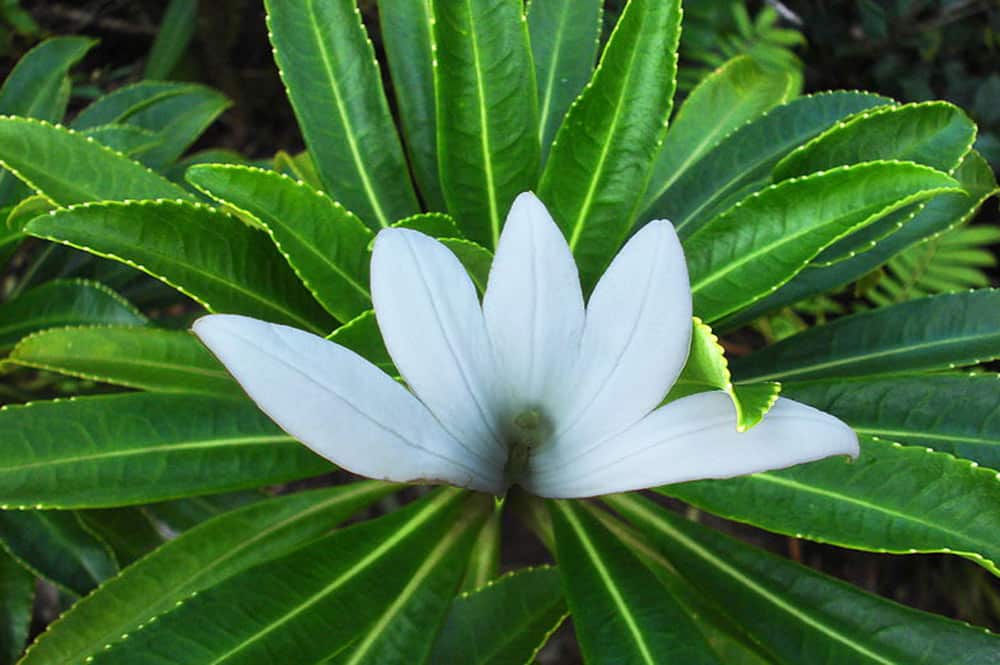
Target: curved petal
pixel 433 327
pixel 635 341
pixel 340 405
pixel 533 308
pixel 695 437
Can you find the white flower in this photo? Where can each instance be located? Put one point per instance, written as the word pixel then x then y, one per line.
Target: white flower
pixel 529 387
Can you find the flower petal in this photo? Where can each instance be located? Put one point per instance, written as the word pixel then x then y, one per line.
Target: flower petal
pixel 693 438
pixel 433 327
pixel 340 405
pixel 534 308
pixel 635 341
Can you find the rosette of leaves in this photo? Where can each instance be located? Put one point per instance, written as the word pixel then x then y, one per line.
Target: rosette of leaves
pixel 776 199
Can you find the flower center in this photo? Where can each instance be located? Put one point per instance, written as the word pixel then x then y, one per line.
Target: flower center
pixel 528 430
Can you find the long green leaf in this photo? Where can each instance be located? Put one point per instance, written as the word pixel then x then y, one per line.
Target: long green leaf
pixel 180 21
pixel 734 94
pixel 407 28
pixel 506 621
pixel 603 154
pixel 487 111
pixel 17 596
pixel 180 515
pixel 212 257
pixel 325 244
pixel 741 163
pixel 128 532
pixel 54 544
pixel 938 332
pixel 396 575
pixel 143 358
pixel 758 245
pixel 111 450
pixel 196 560
pixel 332 78
pixel 179 120
pixel 621 612
pixel 893 498
pixel 118 106
pixel 941 213
pixel 564 38
pixel 68 167
pixel 802 615
pixel 64 303
pixel 951 413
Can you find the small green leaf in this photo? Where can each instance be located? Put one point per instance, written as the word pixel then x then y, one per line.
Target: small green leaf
pixel 68 167
pixel 621 612
pixel 180 20
pixel 476 259
pixel 54 544
pixel 800 615
pixel 397 575
pixel 362 336
pixel 143 358
pixel 196 560
pixel 505 621
pixel 753 401
pixel 487 111
pixel 178 120
pixel 603 153
pixel 17 596
pixel 732 95
pixel 929 411
pixel 939 332
pixel 407 28
pixel 893 498
pixel 64 303
pixel 758 245
pixel 434 224
pixel 741 163
pixel 118 106
pixel 112 450
pixel 219 261
pixel 325 244
pixel 328 65
pixel 26 210
pixel 126 139
pixel 564 38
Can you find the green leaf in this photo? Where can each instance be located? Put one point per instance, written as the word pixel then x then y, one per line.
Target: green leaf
pixel 407 29
pixel 564 37
pixel 506 621
pixel 936 134
pixel 26 210
pixel 741 163
pixel 178 120
pixel 128 532
pixel 434 224
pixel 363 336
pixel 476 259
pixel 54 544
pixel 801 615
pixel 707 369
pixel 180 21
pixel 112 450
pixel 64 303
pixel 621 612
pixel 194 561
pixel 182 515
pixel 126 139
pixel 939 332
pixel 299 166
pixel 397 575
pixel 143 358
pixel 761 243
pixel 484 560
pixel 731 96
pixel 17 596
pixel 950 413
pixel 325 244
pixel 487 111
pixel 943 212
pixel 68 167
pixel 333 82
pixel 118 106
pixel 219 261
pixel 604 151
pixel 893 498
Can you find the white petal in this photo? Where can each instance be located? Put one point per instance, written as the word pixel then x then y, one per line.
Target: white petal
pixel 635 342
pixel 695 437
pixel 340 405
pixel 432 323
pixel 534 308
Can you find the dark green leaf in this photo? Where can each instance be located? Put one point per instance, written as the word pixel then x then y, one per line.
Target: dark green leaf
pixel 216 259
pixel 128 532
pixel 178 120
pixel 603 154
pixel 362 336
pixel 181 515
pixel 329 69
pixel 17 596
pixel 180 21
pixel 118 106
pixel 111 450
